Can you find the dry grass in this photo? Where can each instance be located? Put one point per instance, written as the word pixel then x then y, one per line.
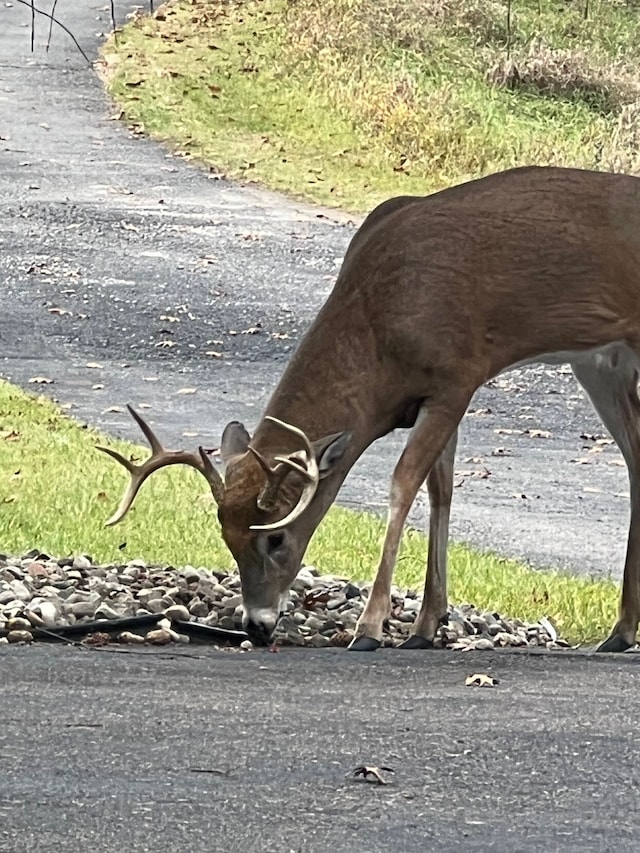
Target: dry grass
pixel 347 102
pixel 606 86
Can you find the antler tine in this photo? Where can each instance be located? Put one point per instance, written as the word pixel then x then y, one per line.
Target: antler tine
pixel 310 472
pixel 149 434
pixel 159 459
pixel 294 431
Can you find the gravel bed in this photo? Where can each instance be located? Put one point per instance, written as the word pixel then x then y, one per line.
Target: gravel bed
pixel 41 595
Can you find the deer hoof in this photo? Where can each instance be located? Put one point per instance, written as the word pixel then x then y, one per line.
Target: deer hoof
pixel 614 643
pixel 416 642
pixel 363 644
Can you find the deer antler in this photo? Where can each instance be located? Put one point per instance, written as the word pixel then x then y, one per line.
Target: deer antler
pixel 159 459
pixel 303 462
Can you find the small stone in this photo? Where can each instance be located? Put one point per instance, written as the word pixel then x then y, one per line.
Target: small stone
pixel 37 570
pixel 351 591
pixel 158 637
pixel 3 641
pixel 482 644
pixel 198 608
pixel 481 626
pixel 47 611
pixel 246 645
pixel 129 637
pixel 156 605
pixel 20 591
pixel 149 594
pixel 81 562
pixel 319 641
pixel 303 581
pixel 178 612
pixel 83 609
pixel 20 637
pixel 18 623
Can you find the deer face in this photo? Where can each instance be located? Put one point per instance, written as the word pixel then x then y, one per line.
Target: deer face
pixel 265 505
pixel 267 516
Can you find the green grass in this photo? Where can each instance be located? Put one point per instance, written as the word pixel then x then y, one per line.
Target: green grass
pixel 347 102
pixel 56 490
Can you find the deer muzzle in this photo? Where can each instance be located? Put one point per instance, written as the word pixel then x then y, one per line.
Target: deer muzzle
pixel 260 623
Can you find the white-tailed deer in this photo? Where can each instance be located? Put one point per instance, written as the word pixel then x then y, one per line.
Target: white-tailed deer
pixel 436 295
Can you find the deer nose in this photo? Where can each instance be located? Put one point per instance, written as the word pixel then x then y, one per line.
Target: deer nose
pixel 259 623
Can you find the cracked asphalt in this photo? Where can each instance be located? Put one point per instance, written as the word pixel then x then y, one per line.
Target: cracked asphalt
pixel 115 253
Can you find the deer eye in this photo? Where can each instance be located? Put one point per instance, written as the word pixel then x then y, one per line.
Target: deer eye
pixel 274 541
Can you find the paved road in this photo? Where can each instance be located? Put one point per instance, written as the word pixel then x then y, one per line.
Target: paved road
pixel 99 749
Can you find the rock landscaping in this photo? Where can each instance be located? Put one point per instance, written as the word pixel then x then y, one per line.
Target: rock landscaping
pixel 73 599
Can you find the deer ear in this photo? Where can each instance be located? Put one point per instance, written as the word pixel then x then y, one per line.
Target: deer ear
pixel 330 450
pixel 235 440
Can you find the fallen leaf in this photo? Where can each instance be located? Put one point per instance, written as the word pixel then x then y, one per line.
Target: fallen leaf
pixel 186 391
pixel 113 409
pixel 165 344
pixel 10 435
pixel 97 387
pixel 480 679
pixel 374 775
pixel 93 365
pixel 213 353
pixel 40 380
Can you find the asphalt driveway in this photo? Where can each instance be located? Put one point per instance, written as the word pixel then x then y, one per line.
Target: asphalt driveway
pixel 228 753
pixel 198 750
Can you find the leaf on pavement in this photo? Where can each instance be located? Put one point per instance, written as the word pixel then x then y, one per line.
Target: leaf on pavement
pixel 480 679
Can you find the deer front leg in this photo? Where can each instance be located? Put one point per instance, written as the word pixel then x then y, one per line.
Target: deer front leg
pixel 434 602
pixel 429 437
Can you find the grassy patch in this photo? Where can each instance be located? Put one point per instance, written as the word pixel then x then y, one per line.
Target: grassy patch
pixel 347 102
pixel 56 491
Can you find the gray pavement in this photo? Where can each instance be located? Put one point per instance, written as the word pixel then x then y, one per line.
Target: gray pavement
pixel 210 751
pixel 99 749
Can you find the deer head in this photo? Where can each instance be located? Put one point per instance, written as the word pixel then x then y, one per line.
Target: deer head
pixel 262 501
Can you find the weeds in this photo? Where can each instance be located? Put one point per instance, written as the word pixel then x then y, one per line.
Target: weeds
pixel 347 102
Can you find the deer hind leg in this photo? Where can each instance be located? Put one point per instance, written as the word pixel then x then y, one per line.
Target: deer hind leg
pixel 433 431
pixel 434 602
pixel 611 383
